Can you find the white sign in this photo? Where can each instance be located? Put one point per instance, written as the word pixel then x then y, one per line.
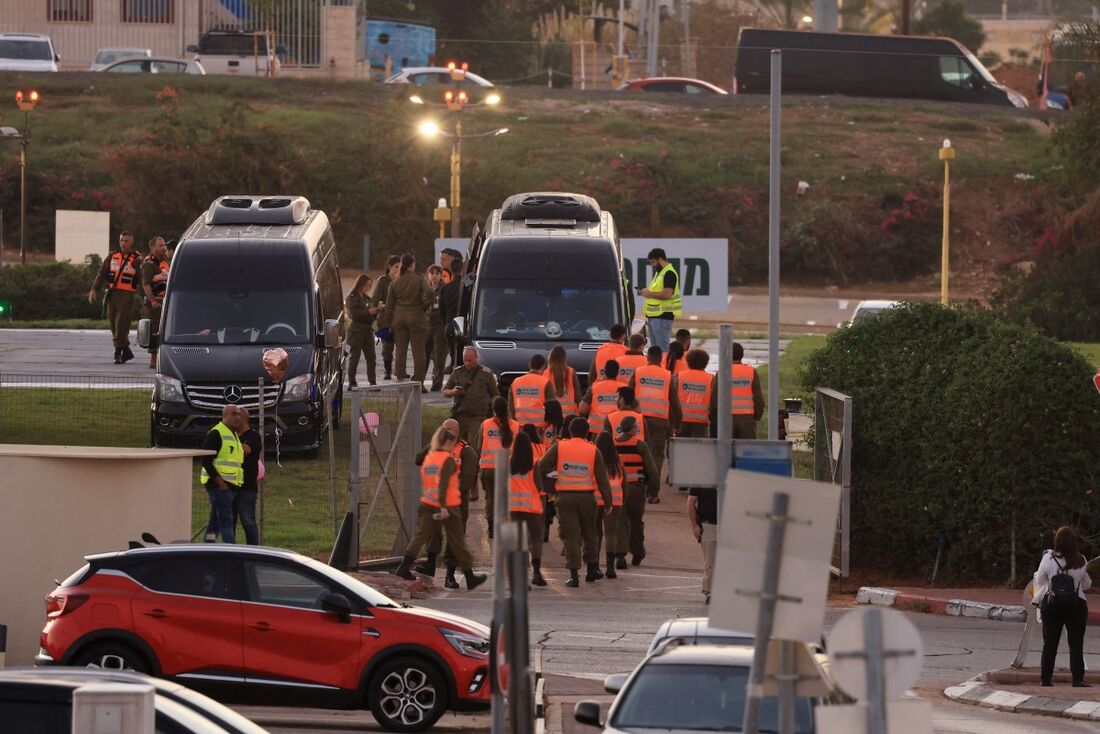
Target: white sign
pixel 902 717
pixel 79 234
pixel 900 639
pixel 804 569
pixel 702 263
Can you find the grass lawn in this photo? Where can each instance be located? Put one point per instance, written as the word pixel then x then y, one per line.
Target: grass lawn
pixel 56 324
pixel 1091 351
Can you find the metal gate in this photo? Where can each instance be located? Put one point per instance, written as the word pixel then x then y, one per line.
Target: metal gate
pixel 384 479
pixel 295 24
pixel 833 463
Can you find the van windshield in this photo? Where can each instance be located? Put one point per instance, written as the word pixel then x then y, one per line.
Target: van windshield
pixel 545 310
pixel 233 44
pixel 238 297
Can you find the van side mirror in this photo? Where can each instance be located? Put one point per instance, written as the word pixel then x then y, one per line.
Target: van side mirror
pixel 588 713
pixel 57 57
pixel 468 279
pixel 337 604
pixel 974 83
pixel 145 337
pixel 331 333
pixel 614 683
pixel 192 49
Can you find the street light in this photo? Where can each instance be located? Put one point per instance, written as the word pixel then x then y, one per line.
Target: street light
pixel 947 154
pixel 431 129
pixel 26 103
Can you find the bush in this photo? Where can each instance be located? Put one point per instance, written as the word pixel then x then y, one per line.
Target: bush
pixel 1059 297
pixel 50 290
pixel 966 426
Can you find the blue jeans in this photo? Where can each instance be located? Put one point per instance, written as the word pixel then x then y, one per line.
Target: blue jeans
pixel 660 333
pixel 221 513
pixel 244 507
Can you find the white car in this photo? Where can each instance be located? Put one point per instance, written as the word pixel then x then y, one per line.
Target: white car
pixel 697 631
pixel 869 309
pixel 433 75
pixel 154 66
pixel 27 52
pixel 107 56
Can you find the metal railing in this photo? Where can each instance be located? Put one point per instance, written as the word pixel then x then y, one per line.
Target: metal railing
pixel 833 463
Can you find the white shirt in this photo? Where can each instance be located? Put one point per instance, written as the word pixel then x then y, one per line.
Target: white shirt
pixel 1048 567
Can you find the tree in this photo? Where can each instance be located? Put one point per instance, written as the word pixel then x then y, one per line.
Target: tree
pixel 948 18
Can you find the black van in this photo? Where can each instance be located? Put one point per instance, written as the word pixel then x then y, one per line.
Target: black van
pixel 545 271
pixel 861 65
pixel 253 273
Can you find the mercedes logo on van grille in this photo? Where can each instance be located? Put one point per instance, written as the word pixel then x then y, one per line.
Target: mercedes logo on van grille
pixel 232 394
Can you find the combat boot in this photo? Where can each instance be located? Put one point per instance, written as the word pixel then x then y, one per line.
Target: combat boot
pixel 594 573
pixel 620 561
pixel 473 580
pixel 427 567
pixel 536 574
pixel 403 570
pixel 118 355
pixel 573 581
pixel 126 355
pixel 611 566
pixel 450 582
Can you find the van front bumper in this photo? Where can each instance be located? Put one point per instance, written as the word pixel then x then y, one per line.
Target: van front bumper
pixel 289 427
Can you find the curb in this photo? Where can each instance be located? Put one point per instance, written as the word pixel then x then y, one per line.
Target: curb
pixel 976 692
pixel 882 597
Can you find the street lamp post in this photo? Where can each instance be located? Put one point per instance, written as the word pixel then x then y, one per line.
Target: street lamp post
pixel 26 103
pixel 456 178
pixel 947 154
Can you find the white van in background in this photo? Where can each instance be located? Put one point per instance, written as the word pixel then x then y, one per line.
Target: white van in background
pixel 240 53
pixel 27 52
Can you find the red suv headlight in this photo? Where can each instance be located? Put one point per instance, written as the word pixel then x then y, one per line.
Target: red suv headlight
pixel 59 603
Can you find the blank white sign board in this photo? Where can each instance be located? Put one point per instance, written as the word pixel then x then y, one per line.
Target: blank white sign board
pixel 902 717
pixel 807 548
pixel 80 234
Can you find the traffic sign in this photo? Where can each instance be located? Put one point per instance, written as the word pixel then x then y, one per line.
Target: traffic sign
pixel 902 652
pixel 902 717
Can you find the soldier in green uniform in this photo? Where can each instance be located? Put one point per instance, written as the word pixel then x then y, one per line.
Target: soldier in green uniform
pixel 121 274
pixel 154 282
pixel 378 300
pixel 473 387
pixel 360 315
pixel 408 301
pixel 437 337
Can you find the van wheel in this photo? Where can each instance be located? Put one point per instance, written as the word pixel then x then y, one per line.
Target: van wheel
pixel 407 694
pixel 112 656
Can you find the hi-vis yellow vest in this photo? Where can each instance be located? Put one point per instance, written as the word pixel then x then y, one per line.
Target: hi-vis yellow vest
pixel 230 459
pixel 654 306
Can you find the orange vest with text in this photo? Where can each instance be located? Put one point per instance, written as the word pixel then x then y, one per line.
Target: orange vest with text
pixel 610 350
pixel 628 363
pixel 616 484
pixel 605 399
pixel 529 397
pixel 576 466
pixel 568 399
pixel 490 441
pixel 693 389
pixel 523 495
pixel 430 471
pixel 123 268
pixel 632 460
pixel 652 385
pixel 741 377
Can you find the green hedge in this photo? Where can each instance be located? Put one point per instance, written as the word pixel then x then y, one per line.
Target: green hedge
pixel 50 291
pixel 965 426
pixel 1060 297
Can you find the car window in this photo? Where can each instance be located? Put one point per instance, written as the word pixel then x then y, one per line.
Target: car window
pixel 664 87
pixel 168 67
pixel 36 716
pixel 189 575
pixel 276 584
pixel 128 67
pixel 695 89
pixel 25 50
pixel 955 70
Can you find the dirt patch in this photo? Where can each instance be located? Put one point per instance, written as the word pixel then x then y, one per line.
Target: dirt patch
pixel 1019 79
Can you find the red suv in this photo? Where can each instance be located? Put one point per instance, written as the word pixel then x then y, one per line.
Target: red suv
pixel 260 625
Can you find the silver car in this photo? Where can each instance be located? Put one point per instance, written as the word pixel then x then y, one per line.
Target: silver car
pixel 107 56
pixel 697 631
pixel 154 66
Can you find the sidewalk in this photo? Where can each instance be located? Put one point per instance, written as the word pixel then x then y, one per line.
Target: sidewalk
pixel 1002 605
pixel 1017 690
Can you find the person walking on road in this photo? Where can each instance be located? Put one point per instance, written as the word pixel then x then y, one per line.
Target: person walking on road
pixel 609 527
pixel 525 499
pixel 563 379
pixel 662 299
pixel 695 391
pixel 496 433
pixel 361 315
pixel 223 473
pixel 602 397
pixel 467 461
pixel 436 348
pixel 746 396
pixel 409 301
pixel 473 387
pixel 529 393
pixel 1059 591
pixel 244 499
pixel 450 306
pixel 580 474
pixel 121 274
pixel 548 432
pixel 703 515
pixel 154 283
pixel 656 391
pixel 612 349
pixel 673 361
pixel 441 507
pixel 641 481
pixel 633 358
pixel 378 300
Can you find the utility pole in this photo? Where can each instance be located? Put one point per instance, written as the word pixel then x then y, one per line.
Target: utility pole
pixel 689 59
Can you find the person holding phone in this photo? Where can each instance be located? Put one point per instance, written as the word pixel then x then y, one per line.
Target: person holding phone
pixel 473 387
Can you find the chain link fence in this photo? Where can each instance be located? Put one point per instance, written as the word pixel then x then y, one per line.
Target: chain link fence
pixel 833 463
pixel 384 479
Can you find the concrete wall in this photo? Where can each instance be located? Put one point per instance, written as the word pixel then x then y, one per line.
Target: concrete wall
pixel 61 503
pixel 1027 34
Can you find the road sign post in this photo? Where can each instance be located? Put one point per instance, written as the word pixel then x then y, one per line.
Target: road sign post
pixel 500 601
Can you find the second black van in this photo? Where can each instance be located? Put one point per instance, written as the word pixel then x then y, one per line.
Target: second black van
pixel 862 65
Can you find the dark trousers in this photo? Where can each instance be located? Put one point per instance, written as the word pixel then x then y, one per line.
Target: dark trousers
pixel 120 312
pixel 436 352
pixel 426 525
pixel 1073 618
pixel 634 525
pixel 221 514
pixel 244 508
pixel 532 522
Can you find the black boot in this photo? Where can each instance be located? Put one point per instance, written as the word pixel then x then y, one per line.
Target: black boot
pixel 389 370
pixel 536 574
pixel 637 559
pixel 118 355
pixel 403 570
pixel 450 582
pixel 611 566
pixel 473 580
pixel 620 561
pixel 594 573
pixel 573 581
pixel 427 567
pixel 127 355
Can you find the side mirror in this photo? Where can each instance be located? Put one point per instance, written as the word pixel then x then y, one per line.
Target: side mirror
pixel 337 604
pixel 332 333
pixel 458 326
pixel 587 713
pixel 468 279
pixel 145 337
pixel 615 683
pixel 974 83
pixel 57 57
pixel 192 49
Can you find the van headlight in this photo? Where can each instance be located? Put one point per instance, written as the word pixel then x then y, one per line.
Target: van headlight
pixel 297 388
pixel 470 646
pixel 169 389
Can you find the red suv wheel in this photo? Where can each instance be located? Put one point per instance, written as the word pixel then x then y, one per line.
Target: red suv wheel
pixel 407 694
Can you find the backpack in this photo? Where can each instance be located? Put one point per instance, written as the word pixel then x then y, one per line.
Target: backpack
pixel 1062 592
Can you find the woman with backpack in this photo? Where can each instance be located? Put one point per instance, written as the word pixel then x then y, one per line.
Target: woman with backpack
pixel 1060 584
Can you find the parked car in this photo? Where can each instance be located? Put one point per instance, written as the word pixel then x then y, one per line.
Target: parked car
pixel 434 75
pixel 672 85
pixel 40 700
pixel 869 309
pixel 688 688
pixel 697 631
pixel 155 66
pixel 240 53
pixel 27 52
pixel 107 56
pixel 262 625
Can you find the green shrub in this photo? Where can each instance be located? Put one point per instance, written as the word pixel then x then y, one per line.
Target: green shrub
pixel 965 426
pixel 50 290
pixel 1059 297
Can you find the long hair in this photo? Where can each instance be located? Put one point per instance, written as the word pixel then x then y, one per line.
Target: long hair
pixel 675 354
pixel 532 432
pixel 559 370
pixel 441 438
pixel 500 415
pixel 407 262
pixel 553 416
pixel 1065 545
pixel 611 460
pixel 523 455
